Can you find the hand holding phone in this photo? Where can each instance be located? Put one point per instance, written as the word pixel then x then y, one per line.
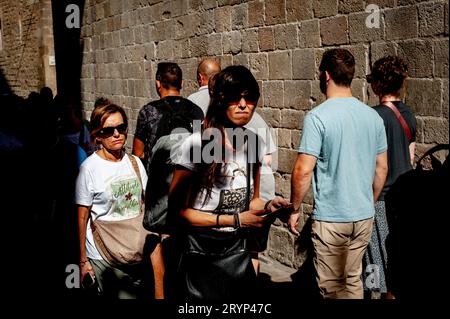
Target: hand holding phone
pixel 88 281
pixel 280 211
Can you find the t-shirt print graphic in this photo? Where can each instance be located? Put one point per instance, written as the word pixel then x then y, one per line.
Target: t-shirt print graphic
pixel 232 200
pixel 126 194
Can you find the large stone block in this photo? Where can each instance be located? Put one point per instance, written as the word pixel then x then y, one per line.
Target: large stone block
pixel 284 138
pixel 325 8
pixel 286 160
pixel 424 97
pixel 280 65
pixel 361 54
pixel 250 40
pixel 435 131
pixel 292 119
pixel 275 12
pixel 441 58
pixel 214 44
pixel 360 32
pixel 164 50
pixel 299 10
pixel 222 17
pixel 334 31
pixel 266 39
pixel 295 139
pixel 401 23
pixel 256 16
pixel 309 34
pixel 271 116
pixel 418 55
pixel 240 59
pixel 381 49
pixel 286 36
pixel 349 6
pixel 259 65
pixel 303 64
pixel 281 245
pixel 239 17
pixel 297 94
pixel 231 42
pixel 273 94
pixel 178 8
pixel 431 19
pixel 198 46
pixel 206 23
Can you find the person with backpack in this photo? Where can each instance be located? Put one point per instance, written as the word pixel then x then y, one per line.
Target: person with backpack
pixel 157 120
pixel 387 80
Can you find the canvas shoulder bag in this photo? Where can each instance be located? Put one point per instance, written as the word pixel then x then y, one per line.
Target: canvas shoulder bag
pixel 122 242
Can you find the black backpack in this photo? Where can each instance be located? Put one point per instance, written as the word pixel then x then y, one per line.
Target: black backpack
pixel 174 126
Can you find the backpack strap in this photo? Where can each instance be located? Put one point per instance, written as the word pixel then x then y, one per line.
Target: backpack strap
pixel 136 170
pixel 400 118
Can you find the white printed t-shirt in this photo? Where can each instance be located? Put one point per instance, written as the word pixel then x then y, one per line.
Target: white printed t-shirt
pixel 228 197
pixel 113 190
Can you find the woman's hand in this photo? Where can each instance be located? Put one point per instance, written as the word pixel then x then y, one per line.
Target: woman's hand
pixel 253 218
pixel 277 203
pixel 85 268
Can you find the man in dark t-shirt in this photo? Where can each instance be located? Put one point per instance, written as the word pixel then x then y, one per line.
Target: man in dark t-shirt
pixel 155 120
pixel 168 85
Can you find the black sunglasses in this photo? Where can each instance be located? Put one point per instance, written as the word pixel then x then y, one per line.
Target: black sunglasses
pixel 109 131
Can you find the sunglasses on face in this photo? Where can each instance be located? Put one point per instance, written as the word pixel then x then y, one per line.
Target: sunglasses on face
pixel 109 131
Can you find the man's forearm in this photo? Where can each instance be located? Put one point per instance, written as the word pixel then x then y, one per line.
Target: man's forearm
pixel 300 184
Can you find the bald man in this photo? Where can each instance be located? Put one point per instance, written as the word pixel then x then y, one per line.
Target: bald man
pixel 205 70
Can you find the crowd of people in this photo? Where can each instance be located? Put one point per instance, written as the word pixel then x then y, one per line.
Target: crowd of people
pixel 199 182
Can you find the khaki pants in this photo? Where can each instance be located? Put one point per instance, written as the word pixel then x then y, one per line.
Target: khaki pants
pixel 338 253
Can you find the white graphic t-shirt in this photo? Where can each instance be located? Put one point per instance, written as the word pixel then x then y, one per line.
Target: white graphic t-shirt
pixel 228 196
pixel 112 189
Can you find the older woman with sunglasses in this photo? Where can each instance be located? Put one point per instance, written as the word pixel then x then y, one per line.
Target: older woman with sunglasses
pixel 108 189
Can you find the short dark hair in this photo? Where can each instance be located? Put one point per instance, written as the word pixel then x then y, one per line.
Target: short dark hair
pixel 170 75
pixel 388 75
pixel 340 64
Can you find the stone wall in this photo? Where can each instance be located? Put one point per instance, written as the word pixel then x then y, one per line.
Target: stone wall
pixel 27 43
pixel 281 41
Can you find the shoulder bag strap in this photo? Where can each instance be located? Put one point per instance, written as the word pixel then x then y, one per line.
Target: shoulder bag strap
pixel 400 118
pixel 136 170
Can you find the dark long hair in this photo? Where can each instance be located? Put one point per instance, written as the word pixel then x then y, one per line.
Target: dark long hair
pixel 229 85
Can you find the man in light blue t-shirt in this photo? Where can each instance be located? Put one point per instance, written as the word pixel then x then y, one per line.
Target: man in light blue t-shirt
pixel 343 151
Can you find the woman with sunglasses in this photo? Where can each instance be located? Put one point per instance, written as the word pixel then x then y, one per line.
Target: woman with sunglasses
pixel 108 189
pixel 215 191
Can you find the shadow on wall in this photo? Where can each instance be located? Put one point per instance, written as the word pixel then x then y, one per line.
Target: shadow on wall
pixel 4 86
pixel 68 47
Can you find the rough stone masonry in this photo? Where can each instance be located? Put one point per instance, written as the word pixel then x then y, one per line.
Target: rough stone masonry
pixel 281 41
